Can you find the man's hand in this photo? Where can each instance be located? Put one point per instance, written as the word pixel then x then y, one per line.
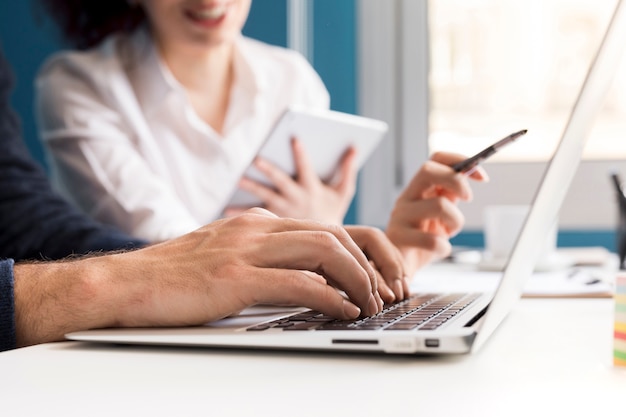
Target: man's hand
pixel 205 275
pixel 386 259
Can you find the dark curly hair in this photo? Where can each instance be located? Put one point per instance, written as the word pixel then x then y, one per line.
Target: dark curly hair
pixel 85 23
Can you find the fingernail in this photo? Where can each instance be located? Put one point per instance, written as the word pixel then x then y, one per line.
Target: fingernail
pixel 389 293
pixel 372 307
pixel 398 289
pixel 350 310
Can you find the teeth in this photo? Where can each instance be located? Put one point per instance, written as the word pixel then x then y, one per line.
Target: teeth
pixel 212 13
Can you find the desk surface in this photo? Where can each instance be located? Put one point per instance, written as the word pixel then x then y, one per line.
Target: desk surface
pixel 549 357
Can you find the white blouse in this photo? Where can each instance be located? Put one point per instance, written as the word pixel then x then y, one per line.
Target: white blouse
pixel 126 146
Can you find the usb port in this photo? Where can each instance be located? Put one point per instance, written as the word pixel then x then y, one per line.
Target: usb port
pixel 433 343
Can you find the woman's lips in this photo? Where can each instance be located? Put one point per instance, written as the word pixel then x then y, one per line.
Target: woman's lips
pixel 208 14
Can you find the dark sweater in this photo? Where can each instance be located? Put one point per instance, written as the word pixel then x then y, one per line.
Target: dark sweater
pixel 35 222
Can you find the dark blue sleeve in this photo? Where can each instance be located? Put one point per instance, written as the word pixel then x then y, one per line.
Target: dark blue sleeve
pixel 7 309
pixel 35 222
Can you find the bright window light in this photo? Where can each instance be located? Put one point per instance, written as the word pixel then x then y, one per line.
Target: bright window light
pixel 498 66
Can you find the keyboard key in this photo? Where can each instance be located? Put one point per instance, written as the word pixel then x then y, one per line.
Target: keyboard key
pixel 424 311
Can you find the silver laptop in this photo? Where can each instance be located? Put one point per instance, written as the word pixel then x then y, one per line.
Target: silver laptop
pixel 425 323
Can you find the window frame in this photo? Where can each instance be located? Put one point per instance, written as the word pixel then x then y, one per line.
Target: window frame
pixel 380 96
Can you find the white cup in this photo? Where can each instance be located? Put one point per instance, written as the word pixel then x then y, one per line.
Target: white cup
pixel 502 226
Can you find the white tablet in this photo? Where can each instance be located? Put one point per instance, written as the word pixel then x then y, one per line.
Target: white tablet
pixel 325 135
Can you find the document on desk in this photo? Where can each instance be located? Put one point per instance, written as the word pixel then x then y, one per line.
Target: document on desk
pixel 572 282
pixel 575 282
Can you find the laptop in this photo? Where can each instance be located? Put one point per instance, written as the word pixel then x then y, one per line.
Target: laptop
pixel 425 323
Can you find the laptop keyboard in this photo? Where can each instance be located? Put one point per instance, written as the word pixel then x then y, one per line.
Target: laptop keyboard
pixel 419 311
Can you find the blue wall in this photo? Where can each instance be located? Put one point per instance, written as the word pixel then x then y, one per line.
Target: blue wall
pixel 566 238
pixel 268 21
pixel 334 51
pixel 334 58
pixel 26 42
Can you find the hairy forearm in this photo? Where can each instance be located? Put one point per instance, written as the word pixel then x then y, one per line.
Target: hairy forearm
pixel 55 298
pixel 115 290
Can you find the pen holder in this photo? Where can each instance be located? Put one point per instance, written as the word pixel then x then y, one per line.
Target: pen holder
pixel 621 221
pixel 619 328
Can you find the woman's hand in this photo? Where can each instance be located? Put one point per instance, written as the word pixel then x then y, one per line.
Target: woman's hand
pixel 426 215
pixel 306 196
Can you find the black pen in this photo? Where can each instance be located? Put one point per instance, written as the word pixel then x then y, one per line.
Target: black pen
pixel 469 164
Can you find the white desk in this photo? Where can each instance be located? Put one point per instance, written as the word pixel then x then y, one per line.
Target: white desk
pixel 549 357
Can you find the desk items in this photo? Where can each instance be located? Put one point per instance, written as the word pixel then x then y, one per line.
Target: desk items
pixel 619 331
pixel 581 272
pixel 577 282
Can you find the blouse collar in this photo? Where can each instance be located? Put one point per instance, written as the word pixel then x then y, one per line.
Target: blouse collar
pixel 155 83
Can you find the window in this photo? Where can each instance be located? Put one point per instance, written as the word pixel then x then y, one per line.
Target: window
pixel 497 66
pixel 456 75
